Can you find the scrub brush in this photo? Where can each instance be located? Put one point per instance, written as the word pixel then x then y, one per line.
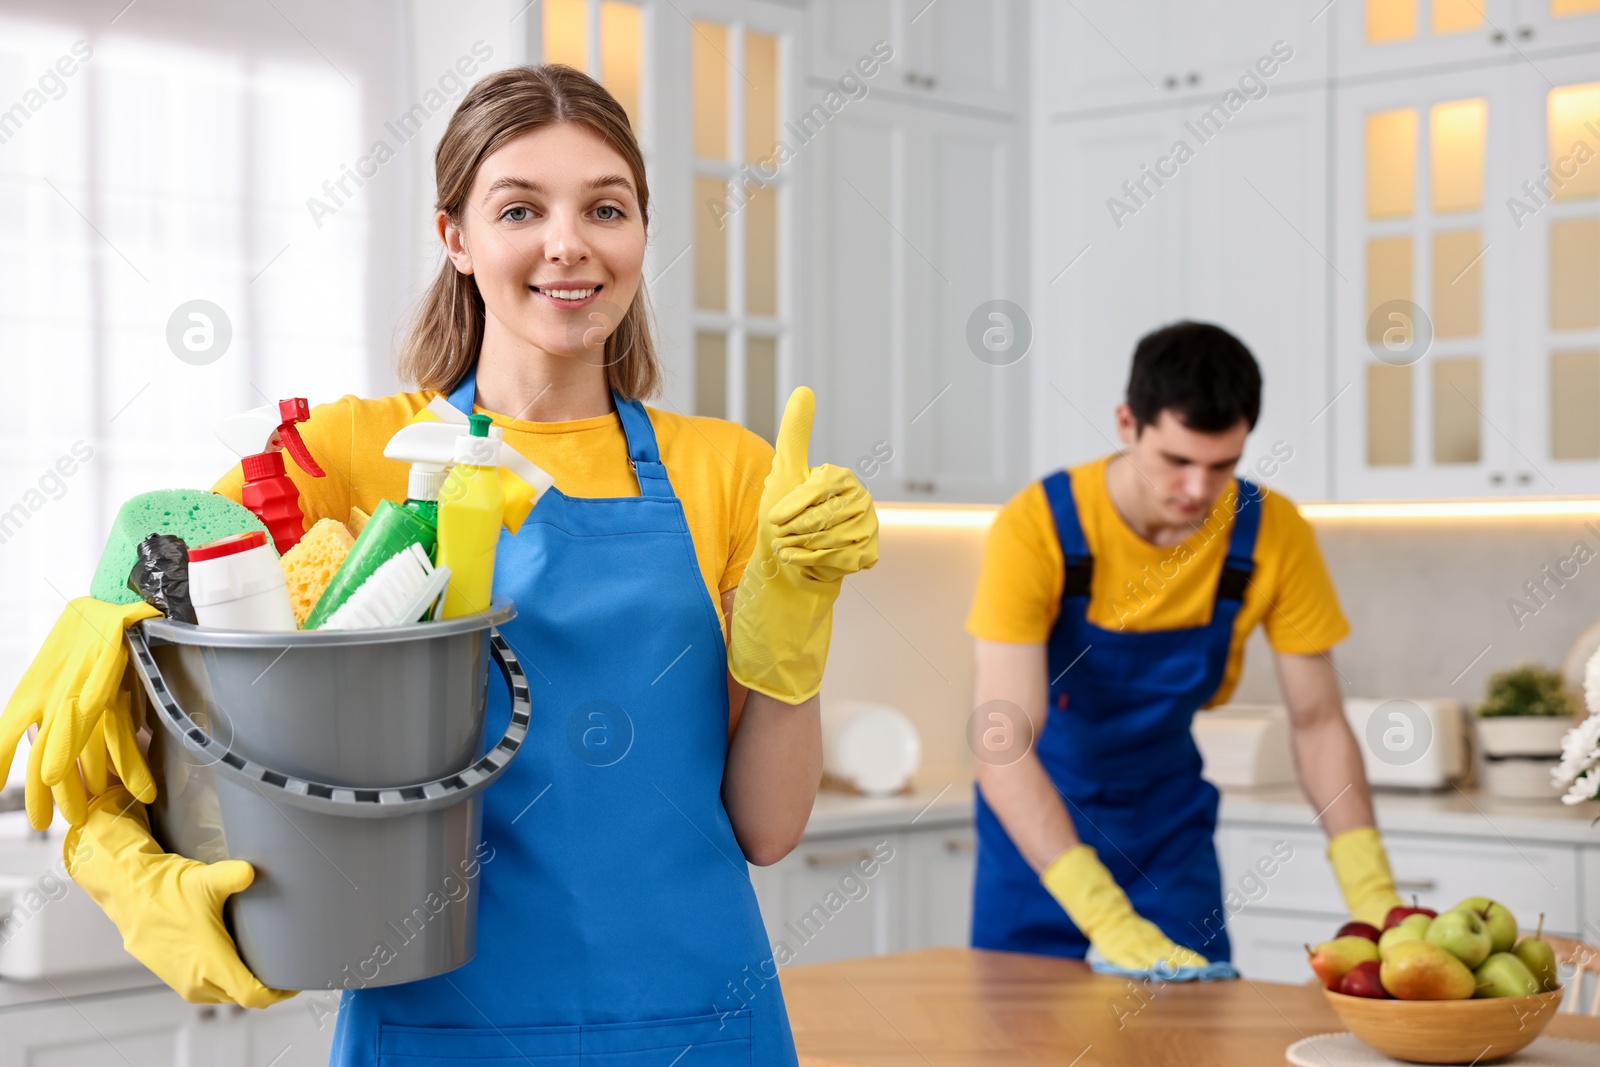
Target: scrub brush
pixel 400 591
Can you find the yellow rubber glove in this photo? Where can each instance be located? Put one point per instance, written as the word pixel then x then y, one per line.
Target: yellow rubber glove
pixel 76 679
pixel 1362 867
pixel 168 908
pixel 815 525
pixel 1093 900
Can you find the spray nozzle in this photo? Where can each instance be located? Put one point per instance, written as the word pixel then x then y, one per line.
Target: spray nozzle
pixel 263 431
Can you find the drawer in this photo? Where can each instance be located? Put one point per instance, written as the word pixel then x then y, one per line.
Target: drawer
pixel 833 898
pixel 1279 868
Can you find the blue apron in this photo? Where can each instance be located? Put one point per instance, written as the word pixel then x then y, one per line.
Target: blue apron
pixel 1118 748
pixel 617 923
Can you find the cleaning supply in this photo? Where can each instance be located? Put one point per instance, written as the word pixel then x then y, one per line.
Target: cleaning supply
pixel 1092 899
pixel 1210 972
pixel 161 577
pixel 72 686
pixel 195 515
pixel 309 566
pixel 430 449
pixel 783 611
pixel 521 482
pixel 390 530
pixel 471 511
pixel 167 908
pixel 259 436
pixel 401 591
pixel 1362 867
pixel 236 584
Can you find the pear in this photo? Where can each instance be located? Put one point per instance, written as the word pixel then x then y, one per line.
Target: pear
pixel 1540 959
pixel 1332 960
pixel 1504 975
pixel 1502 924
pixel 1421 970
pixel 1463 934
pixel 1411 928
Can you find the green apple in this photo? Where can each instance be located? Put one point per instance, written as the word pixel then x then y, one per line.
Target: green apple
pixel 1504 975
pixel 1540 958
pixel 1502 924
pixel 1420 970
pixel 1411 928
pixel 1461 933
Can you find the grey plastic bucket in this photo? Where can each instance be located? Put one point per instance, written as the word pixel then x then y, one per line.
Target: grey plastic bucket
pixel 344 766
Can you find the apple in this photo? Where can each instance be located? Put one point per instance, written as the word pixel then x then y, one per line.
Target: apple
pixel 1364 980
pixel 1463 934
pixel 1421 970
pixel 1411 928
pixel 1400 911
pixel 1502 924
pixel 1504 975
pixel 1359 929
pixel 1332 960
pixel 1535 952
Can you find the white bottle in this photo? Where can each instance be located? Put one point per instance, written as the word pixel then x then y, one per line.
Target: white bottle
pixel 237 584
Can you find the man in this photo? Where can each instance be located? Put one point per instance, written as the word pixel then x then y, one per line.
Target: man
pixel 1114 602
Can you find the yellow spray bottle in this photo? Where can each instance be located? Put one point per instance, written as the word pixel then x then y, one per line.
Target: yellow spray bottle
pixel 471 509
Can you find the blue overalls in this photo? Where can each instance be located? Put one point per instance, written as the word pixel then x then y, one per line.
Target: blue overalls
pixel 1118 748
pixel 617 924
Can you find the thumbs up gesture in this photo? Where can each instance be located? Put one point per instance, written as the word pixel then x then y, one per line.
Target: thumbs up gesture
pixel 815 525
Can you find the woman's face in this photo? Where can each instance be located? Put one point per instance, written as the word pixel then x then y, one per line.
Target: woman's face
pixel 552 233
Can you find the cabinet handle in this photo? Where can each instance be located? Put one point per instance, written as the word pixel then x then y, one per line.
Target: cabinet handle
pixel 1524 33
pixel 207 1013
pixel 1171 81
pixel 1523 478
pixel 1416 885
pixel 919 487
pixel 838 859
pixel 1194 77
pixel 959 845
pixel 1497 478
pixel 1497 37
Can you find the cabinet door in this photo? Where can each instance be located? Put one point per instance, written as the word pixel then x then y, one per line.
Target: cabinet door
pixel 1543 25
pixel 1221 42
pixel 148 1029
pixel 295 1033
pixel 1411 35
pixel 820 905
pixel 938 910
pixel 1424 300
pixel 1100 53
pixel 839 32
pixel 1269 947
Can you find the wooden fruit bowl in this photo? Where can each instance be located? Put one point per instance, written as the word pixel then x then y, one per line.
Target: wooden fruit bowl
pixel 1446 1031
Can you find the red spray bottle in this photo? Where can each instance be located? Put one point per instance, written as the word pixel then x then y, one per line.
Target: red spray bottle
pixel 259 437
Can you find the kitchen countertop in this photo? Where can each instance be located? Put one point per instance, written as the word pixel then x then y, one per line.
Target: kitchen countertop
pixel 955 1007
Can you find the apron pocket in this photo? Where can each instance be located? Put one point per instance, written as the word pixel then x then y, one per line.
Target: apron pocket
pixel 448 1046
pixel 695 1041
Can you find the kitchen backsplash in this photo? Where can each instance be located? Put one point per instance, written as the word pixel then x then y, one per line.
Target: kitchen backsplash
pixel 1432 603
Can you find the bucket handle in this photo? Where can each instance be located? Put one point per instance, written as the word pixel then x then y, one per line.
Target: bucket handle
pixel 344 801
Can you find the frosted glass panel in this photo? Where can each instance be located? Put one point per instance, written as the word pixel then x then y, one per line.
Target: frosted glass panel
pixel 566 33
pixel 710 244
pixel 1391 20
pixel 1391 162
pixel 761 96
pixel 1457 436
pixel 761 250
pixel 710 90
pixel 1575 274
pixel 1575 405
pixel 1457 283
pixel 1388 415
pixel 761 386
pixel 1456 137
pixel 1457 16
pixel 620 44
pixel 711 374
pixel 1574 113
pixel 1388 277
pixel 1565 8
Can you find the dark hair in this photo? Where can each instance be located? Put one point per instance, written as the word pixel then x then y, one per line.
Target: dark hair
pixel 1201 373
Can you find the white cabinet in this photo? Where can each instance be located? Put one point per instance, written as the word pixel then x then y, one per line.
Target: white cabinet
pixel 1173 214
pixel 1097 54
pixel 938 907
pixel 916 238
pixel 833 898
pixel 1413 35
pixel 953 52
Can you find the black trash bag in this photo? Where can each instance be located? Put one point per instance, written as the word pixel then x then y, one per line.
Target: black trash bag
pixel 161 576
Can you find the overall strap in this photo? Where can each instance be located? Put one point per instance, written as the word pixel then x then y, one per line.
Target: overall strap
pixel 1075 555
pixel 1240 564
pixel 642 451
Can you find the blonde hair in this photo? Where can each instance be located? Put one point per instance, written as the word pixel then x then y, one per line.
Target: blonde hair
pixel 446 333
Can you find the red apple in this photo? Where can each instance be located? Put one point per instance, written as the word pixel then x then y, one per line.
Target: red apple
pixel 1362 980
pixel 1400 911
pixel 1359 929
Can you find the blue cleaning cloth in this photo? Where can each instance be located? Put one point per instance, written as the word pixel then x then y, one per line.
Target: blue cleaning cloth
pixel 1211 972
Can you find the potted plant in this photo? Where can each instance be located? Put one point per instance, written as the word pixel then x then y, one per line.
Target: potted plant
pixel 1520 725
pixel 1579 770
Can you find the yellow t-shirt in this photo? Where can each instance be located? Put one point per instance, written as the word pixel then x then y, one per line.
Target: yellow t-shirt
pixel 717 469
pixel 1138 586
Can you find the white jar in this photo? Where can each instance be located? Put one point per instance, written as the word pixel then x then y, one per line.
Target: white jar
pixel 237 584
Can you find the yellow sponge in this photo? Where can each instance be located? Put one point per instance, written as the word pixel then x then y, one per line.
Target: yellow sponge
pixel 310 565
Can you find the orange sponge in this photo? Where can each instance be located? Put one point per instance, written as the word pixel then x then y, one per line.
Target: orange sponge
pixel 311 564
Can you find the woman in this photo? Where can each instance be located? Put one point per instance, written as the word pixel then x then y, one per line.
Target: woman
pixel 617 924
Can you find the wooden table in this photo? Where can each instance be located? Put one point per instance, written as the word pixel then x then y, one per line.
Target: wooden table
pixel 955 1007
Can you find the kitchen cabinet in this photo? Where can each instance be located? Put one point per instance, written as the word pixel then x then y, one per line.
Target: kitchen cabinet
pixel 1228 228
pixel 834 898
pixel 938 909
pixel 948 52
pixel 1100 54
pixel 916 281
pixel 1409 36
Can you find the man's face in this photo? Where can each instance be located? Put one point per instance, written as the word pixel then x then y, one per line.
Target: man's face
pixel 1183 471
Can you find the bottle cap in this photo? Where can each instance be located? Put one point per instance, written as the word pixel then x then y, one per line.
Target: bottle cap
pixel 480 425
pixel 228 546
